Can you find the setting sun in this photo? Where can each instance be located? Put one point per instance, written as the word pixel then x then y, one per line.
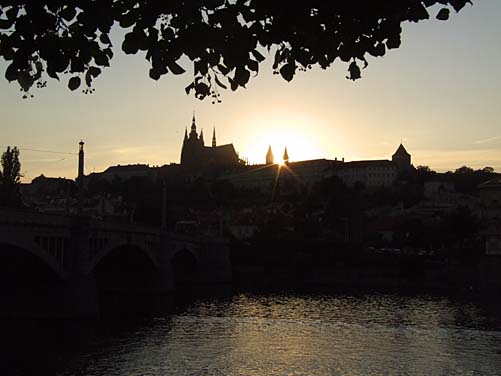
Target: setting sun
pixel 281 130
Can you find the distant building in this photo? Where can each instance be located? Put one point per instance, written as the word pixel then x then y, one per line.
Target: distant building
pixel 490 195
pixel 289 177
pixel 375 173
pixel 49 195
pixel 370 174
pixel 124 172
pixel 195 155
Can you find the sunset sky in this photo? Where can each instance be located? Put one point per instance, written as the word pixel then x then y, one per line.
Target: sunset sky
pixel 439 94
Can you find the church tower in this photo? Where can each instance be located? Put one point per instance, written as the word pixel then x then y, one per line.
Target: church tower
pixel 402 159
pixel 193 145
pixel 269 157
pixel 193 133
pixel 195 156
pixel 286 156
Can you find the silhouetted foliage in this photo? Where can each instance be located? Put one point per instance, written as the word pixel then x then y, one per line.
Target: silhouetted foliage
pixel 424 173
pixel 224 39
pixel 466 179
pixel 10 178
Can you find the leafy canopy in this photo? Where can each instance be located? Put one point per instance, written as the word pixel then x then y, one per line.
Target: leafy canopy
pixel 225 39
pixel 10 177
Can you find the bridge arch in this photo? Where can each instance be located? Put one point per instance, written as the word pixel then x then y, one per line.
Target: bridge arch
pixel 117 247
pixel 30 247
pixel 127 278
pixel 185 267
pixel 31 284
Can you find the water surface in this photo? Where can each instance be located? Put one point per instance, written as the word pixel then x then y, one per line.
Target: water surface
pixel 284 334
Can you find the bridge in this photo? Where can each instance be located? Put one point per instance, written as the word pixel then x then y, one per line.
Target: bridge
pixel 74 266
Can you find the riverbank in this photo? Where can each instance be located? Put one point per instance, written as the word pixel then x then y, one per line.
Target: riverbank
pixel 366 272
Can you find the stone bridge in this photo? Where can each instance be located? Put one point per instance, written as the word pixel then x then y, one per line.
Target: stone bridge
pixel 82 259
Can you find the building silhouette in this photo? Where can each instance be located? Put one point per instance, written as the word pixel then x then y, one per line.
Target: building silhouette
pixel 375 173
pixel 223 162
pixel 195 155
pixel 270 159
pixel 401 159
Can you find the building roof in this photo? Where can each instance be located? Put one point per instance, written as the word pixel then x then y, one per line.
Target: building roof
pixel 367 163
pixel 401 150
pixel 223 154
pixel 133 167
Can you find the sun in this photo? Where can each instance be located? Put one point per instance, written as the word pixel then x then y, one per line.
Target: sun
pixel 282 129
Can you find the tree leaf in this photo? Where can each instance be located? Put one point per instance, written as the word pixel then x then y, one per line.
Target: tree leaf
pixel 175 68
pixel 288 71
pixel 68 13
pixel 101 59
pixel 6 24
pixel 393 42
pixel 253 65
pixel 94 71
pixel 188 88
pixel 129 45
pixel 12 12
pixel 104 38
pixel 443 14
pixel 74 83
pixel 53 74
pixel 11 72
pixel 155 74
pixel 219 82
pixel 354 71
pixel 257 55
pixel 88 78
pixel 242 76
pixel 233 84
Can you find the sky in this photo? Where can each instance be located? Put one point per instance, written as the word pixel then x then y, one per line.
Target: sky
pixel 439 94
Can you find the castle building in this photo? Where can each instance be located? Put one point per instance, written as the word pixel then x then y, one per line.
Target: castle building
pixel 195 155
pixel 370 173
pixel 375 173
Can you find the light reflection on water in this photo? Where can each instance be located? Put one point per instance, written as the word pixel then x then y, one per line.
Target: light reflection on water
pixel 305 335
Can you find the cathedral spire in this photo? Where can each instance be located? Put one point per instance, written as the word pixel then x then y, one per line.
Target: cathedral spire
pixel 193 133
pixel 286 156
pixel 185 133
pixel 214 137
pixel 269 157
pixel 202 135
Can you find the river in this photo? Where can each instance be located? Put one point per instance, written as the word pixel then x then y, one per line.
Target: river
pixel 273 334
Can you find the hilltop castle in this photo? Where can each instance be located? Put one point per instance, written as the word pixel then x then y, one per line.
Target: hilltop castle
pixel 195 155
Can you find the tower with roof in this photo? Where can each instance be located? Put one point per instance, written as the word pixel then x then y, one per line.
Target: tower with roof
pixel 285 158
pixel 401 158
pixel 270 159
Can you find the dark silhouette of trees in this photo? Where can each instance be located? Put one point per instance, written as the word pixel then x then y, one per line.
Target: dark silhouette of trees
pixel 10 178
pixel 466 179
pixel 226 40
pixel 424 173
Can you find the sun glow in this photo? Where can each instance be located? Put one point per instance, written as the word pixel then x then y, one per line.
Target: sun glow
pixel 280 130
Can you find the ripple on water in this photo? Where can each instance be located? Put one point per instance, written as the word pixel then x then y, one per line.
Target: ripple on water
pixel 306 335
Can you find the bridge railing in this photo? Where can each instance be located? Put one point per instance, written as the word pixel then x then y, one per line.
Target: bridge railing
pixel 13 216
